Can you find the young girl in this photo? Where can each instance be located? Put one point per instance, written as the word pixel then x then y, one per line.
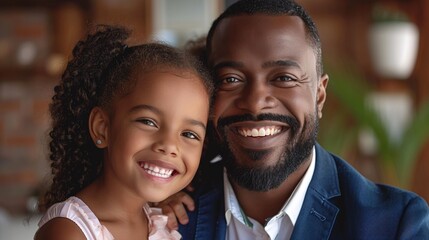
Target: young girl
pixel 128 129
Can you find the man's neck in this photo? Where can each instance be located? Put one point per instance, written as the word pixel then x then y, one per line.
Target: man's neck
pixel 264 205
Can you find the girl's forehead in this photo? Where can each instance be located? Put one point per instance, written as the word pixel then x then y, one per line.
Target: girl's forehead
pixel 166 69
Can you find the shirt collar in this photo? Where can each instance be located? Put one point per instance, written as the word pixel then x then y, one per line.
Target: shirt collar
pixel 292 207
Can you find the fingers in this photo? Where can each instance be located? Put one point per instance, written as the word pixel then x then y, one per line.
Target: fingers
pixel 185 200
pixel 179 205
pixel 172 220
pixel 175 208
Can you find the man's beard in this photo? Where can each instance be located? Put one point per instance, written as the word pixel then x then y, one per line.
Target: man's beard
pixel 294 154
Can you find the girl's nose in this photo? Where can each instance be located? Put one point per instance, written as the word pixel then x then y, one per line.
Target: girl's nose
pixel 166 145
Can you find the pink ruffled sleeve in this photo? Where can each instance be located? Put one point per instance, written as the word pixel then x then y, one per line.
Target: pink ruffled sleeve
pixel 158 226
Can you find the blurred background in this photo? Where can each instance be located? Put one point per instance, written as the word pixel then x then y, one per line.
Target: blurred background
pixel 375 51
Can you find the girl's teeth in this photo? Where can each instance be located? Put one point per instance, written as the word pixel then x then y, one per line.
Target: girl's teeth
pixel 157 171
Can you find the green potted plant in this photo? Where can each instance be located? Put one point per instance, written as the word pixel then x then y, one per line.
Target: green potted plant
pixel 396 158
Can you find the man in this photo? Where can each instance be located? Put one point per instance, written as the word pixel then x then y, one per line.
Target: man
pixel 274 180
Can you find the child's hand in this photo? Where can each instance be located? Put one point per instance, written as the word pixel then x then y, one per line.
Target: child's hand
pixel 174 208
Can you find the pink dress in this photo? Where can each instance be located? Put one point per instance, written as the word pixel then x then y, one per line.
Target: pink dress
pixel 77 211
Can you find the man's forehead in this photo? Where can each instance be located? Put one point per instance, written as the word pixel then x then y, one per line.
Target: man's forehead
pixel 247 20
pixel 261 32
pixel 248 27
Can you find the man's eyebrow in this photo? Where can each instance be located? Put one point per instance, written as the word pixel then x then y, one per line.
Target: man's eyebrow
pixel 232 64
pixel 281 63
pixel 278 63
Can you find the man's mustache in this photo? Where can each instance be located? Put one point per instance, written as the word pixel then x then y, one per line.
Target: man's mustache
pixel 289 120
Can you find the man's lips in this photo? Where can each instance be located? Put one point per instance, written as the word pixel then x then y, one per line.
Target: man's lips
pixel 258 128
pixel 257 135
pixel 259 131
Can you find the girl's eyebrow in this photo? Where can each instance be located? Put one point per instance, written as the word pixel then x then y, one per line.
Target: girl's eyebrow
pixel 158 112
pixel 196 123
pixel 145 107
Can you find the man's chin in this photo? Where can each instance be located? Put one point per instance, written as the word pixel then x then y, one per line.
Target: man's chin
pixel 266 170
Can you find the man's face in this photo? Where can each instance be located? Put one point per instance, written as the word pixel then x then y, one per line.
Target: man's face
pixel 269 97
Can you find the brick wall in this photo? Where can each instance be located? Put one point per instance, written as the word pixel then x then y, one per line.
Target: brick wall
pixel 25 92
pixel 34 42
pixel 24 123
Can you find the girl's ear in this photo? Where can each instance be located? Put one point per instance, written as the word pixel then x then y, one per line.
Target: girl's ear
pixel 98 126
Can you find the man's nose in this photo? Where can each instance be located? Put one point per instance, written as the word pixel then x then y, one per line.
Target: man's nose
pixel 166 144
pixel 256 97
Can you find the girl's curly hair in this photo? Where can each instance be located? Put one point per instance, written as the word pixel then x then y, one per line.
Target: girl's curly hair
pixel 100 71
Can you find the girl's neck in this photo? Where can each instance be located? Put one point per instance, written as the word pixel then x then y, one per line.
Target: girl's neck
pixel 120 211
pixel 101 195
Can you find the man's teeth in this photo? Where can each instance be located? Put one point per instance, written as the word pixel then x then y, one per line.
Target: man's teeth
pixel 261 132
pixel 157 171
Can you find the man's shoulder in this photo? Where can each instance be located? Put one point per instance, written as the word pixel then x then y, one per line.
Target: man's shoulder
pixel 364 205
pixel 353 187
pixel 353 183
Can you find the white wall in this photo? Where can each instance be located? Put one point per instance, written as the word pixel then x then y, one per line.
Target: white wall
pixel 176 21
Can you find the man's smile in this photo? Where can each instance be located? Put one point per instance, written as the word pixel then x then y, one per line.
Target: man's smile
pixel 259 132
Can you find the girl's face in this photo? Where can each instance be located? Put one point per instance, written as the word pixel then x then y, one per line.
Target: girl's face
pixel 155 134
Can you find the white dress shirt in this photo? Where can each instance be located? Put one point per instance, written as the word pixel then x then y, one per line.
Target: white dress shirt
pixel 280 226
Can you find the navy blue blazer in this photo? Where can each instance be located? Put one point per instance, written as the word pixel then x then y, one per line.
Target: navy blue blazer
pixel 339 204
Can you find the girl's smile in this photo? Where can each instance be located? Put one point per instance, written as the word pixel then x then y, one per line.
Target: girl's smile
pixel 157 171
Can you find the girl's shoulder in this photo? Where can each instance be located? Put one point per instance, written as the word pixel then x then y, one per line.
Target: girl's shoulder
pixel 59 227
pixel 75 216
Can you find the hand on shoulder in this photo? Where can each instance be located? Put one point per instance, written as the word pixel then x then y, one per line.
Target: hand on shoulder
pixel 175 208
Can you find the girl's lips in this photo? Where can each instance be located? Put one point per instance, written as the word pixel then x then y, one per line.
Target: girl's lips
pixel 156 170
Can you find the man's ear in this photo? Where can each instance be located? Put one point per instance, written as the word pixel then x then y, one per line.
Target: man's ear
pixel 321 93
pixel 98 127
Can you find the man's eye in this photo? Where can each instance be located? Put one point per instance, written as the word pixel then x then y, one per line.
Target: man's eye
pixel 191 135
pixel 284 79
pixel 230 80
pixel 148 122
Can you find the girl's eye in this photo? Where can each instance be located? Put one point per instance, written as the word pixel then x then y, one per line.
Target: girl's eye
pixel 191 135
pixel 148 122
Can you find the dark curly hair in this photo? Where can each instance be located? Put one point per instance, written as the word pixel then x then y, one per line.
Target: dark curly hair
pixel 100 71
pixel 272 8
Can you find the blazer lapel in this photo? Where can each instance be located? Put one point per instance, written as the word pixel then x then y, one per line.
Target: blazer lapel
pixel 211 212
pixel 318 214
